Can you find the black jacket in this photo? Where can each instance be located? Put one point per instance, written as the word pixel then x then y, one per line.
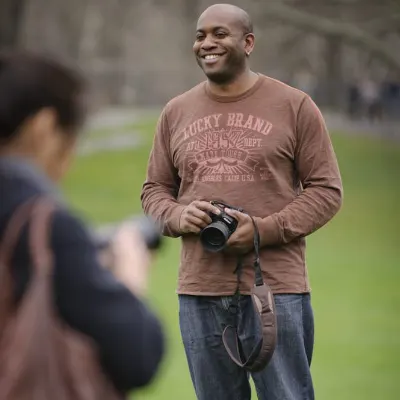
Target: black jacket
pixel 88 297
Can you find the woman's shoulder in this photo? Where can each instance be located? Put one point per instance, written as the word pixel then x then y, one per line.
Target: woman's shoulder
pixel 69 226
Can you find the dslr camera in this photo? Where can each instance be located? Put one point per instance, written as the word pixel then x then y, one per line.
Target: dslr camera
pixel 149 230
pixel 215 235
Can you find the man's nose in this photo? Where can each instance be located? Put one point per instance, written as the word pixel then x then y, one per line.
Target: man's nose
pixel 208 43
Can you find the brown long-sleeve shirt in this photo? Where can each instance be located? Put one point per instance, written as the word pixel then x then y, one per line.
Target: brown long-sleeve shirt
pixel 267 151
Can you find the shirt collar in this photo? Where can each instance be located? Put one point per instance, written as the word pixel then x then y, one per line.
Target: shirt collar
pixel 20 167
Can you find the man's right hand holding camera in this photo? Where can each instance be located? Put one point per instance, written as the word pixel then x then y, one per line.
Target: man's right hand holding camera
pixel 196 216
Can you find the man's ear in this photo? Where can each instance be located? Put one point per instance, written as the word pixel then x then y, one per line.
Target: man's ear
pixel 44 121
pixel 39 126
pixel 249 43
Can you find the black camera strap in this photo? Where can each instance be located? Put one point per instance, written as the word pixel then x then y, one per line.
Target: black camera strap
pixel 264 307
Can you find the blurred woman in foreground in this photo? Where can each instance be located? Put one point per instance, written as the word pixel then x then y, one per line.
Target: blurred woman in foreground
pixel 42 107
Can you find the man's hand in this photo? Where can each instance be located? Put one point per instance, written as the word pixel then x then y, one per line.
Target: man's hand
pixel 195 216
pixel 242 240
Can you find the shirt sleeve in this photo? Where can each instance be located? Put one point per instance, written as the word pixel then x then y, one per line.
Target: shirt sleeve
pixel 129 336
pixel 161 187
pixel 317 168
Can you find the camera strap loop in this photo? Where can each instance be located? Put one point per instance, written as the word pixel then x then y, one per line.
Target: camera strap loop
pixel 258 278
pixel 264 307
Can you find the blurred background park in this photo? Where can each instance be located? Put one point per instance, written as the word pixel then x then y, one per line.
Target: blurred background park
pixel 346 55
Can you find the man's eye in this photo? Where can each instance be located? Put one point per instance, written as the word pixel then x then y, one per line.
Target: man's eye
pixel 199 37
pixel 220 35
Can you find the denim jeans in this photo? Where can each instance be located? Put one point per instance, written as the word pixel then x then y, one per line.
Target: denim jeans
pixel 216 377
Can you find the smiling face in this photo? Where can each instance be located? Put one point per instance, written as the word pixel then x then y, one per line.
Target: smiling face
pixel 222 45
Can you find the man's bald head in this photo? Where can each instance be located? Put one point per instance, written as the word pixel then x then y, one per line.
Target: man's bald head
pixel 224 42
pixel 233 13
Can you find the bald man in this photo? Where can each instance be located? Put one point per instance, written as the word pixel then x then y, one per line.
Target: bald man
pixel 252 142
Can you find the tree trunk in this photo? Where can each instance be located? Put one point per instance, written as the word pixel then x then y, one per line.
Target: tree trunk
pixel 333 72
pixel 11 12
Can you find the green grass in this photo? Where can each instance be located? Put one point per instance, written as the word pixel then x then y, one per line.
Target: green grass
pixel 354 265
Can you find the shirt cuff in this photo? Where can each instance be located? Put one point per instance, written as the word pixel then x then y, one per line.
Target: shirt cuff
pixel 171 226
pixel 270 231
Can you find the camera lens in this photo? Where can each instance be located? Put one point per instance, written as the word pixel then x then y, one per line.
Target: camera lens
pixel 214 236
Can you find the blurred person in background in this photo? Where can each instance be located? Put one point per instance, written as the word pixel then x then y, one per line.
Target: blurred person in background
pixel 371 97
pixel 256 143
pixel 42 109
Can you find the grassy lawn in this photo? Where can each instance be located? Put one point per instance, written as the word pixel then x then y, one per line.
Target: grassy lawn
pixel 354 265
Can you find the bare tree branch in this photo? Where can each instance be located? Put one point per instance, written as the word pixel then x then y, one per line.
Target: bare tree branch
pixel 383 24
pixel 326 27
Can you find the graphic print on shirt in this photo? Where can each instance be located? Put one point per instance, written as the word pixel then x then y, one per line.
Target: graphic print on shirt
pixel 226 148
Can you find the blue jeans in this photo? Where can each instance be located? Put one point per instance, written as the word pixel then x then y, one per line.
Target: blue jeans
pixel 216 377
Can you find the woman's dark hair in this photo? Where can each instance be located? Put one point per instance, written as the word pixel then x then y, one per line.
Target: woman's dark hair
pixel 30 82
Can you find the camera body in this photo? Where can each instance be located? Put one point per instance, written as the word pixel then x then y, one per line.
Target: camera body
pixel 215 235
